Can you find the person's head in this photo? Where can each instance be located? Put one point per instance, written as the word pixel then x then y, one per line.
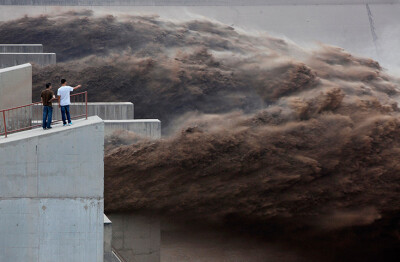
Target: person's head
pixel 63 82
pixel 48 86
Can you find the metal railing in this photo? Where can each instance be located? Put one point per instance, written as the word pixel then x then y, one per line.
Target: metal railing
pixel 117 254
pixel 25 117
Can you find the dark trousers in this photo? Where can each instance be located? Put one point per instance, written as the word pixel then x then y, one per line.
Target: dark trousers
pixel 65 111
pixel 47 116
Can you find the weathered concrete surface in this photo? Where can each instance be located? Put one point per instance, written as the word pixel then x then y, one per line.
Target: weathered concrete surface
pixel 51 194
pixel 21 48
pixel 13 59
pixel 16 90
pixel 15 86
pixel 106 111
pixel 136 237
pixel 50 229
pixel 150 128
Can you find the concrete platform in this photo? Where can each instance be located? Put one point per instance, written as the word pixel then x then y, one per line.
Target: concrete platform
pixel 51 194
pixel 21 48
pixel 150 128
pixel 13 59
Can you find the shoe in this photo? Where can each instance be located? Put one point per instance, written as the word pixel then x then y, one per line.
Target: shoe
pixel 49 127
pixel 44 128
pixel 70 124
pixel 64 124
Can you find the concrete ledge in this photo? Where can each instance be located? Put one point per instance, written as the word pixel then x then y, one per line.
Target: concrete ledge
pixel 21 48
pixel 150 128
pixel 13 59
pixel 106 111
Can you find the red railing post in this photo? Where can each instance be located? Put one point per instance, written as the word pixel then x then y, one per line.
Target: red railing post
pixel 5 124
pixel 86 103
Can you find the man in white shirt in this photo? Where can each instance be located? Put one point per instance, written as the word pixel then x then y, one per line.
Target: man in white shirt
pixel 64 101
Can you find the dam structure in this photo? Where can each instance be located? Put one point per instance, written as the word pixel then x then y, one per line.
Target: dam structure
pixel 52 182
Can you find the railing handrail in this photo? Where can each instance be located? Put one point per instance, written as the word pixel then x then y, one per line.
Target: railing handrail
pixel 118 255
pixel 7 110
pixel 35 103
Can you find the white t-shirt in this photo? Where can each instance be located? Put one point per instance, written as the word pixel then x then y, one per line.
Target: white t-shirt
pixel 64 92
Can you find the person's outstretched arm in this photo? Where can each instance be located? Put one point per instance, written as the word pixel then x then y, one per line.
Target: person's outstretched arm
pixel 76 87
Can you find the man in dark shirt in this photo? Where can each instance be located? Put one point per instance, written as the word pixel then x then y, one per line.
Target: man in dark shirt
pixel 47 97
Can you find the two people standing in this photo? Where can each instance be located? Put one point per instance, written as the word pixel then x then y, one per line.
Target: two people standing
pixel 63 97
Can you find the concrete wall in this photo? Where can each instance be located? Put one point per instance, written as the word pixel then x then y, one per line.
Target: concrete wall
pixel 16 90
pixel 106 111
pixel 51 194
pixel 21 48
pixel 13 59
pixel 144 127
pixel 136 237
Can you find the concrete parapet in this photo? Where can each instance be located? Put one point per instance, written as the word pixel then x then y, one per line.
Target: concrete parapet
pixel 13 59
pixel 21 48
pixel 143 127
pixel 106 111
pixel 136 237
pixel 51 194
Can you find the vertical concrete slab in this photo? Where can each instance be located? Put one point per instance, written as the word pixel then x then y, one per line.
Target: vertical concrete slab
pixel 21 48
pixel 16 90
pixel 51 194
pixel 13 59
pixel 150 128
pixel 15 86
